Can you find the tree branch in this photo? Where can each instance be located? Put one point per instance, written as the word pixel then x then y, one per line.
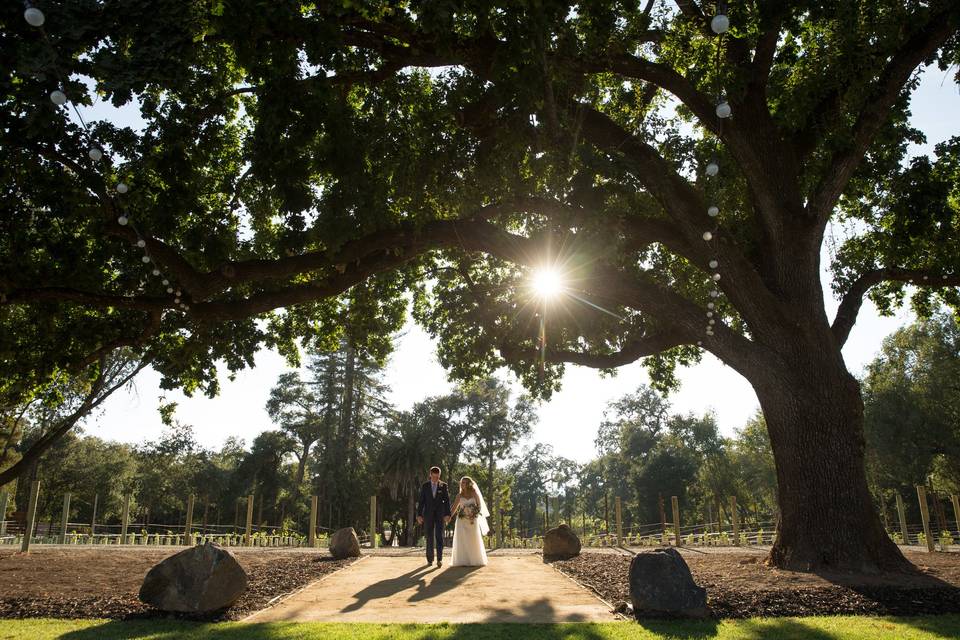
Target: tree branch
pixel 919 47
pixel 853 299
pixel 633 351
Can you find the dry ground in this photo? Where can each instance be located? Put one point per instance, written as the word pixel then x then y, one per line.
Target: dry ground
pixel 59 582
pixel 740 585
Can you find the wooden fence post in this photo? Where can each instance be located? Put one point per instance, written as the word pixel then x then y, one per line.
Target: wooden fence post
pixel 925 515
pixel 500 532
pixel 619 515
pixel 675 507
pixel 956 512
pixel 188 524
pixel 4 498
pixel 606 511
pixel 373 522
pixel 312 536
pixel 248 536
pixel 735 520
pixel 93 518
pixel 902 513
pixel 125 519
pixel 31 516
pixel 546 513
pixel 65 521
pixel 663 519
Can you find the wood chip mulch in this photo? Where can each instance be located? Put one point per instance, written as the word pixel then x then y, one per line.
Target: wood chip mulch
pixel 269 577
pixel 742 586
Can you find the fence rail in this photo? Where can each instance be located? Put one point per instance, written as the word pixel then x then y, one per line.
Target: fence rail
pixel 670 531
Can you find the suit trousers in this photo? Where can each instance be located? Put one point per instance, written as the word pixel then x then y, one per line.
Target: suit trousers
pixel 433 530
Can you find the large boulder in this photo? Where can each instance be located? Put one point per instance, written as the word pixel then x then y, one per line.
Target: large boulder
pixel 344 543
pixel 560 543
pixel 661 584
pixel 199 579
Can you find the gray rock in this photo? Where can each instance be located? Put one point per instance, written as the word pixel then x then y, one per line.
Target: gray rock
pixel 661 584
pixel 345 544
pixel 199 579
pixel 560 543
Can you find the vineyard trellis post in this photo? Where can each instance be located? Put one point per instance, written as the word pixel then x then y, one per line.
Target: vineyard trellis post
pixel 902 513
pixel 312 535
pixel 956 511
pixel 675 507
pixel 248 535
pixel 31 516
pixel 925 516
pixel 65 519
pixel 4 498
pixel 188 522
pixel 93 517
pixel 735 520
pixel 619 515
pixel 125 519
pixel 500 532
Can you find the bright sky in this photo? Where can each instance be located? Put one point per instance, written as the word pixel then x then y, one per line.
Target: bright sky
pixel 569 421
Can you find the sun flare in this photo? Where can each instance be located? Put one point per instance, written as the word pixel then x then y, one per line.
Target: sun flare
pixel 547 283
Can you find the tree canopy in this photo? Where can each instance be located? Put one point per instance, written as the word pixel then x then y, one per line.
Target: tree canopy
pixel 305 168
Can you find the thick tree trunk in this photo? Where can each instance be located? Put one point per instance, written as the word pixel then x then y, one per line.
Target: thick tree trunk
pixel 814 415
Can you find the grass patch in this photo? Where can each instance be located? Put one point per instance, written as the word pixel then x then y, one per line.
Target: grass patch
pixel 825 628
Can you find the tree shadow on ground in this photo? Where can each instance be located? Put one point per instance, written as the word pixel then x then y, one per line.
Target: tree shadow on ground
pixel 388 587
pixel 441 583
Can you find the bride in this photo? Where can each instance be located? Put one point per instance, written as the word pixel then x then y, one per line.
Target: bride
pixel 471 512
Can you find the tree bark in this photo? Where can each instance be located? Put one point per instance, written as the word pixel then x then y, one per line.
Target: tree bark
pixel 814 414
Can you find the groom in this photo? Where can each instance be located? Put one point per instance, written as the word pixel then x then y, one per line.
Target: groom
pixel 433 508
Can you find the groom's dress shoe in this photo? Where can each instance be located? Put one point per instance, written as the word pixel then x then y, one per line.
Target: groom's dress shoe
pixel 439 563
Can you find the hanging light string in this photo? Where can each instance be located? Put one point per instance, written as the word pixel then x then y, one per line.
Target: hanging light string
pixel 35 18
pixel 719 24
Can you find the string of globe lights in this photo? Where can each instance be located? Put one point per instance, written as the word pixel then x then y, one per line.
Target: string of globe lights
pixel 719 24
pixel 35 18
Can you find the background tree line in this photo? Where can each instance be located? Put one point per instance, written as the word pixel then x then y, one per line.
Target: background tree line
pixel 335 435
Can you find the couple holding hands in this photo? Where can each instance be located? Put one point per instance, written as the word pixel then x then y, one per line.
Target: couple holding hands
pixel 434 512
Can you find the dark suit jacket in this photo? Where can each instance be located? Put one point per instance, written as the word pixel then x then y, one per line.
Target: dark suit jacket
pixel 429 506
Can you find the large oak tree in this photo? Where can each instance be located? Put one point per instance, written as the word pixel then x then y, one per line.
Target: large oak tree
pixel 303 167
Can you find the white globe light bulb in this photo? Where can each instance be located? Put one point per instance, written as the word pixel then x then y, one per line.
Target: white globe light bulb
pixel 720 23
pixel 165 282
pixel 710 305
pixel 714 294
pixel 713 169
pixel 169 289
pixel 707 236
pixel 58 97
pixel 156 272
pixel 176 300
pixel 714 264
pixel 713 211
pixel 716 277
pixel 712 321
pixel 145 259
pixel 724 110
pixel 123 220
pixel 709 314
pixel 699 343
pixel 95 154
pixel 122 188
pixel 34 17
pixel 141 243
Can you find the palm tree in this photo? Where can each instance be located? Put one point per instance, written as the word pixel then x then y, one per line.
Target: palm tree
pixel 405 460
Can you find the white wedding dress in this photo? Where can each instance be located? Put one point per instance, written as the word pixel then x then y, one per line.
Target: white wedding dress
pixel 468 550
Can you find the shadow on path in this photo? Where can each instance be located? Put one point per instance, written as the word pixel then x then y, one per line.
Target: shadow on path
pixel 449 579
pixel 388 587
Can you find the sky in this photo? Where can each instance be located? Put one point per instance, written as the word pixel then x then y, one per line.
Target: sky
pixel 570 419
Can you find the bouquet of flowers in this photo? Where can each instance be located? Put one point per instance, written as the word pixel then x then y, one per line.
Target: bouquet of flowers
pixel 470 512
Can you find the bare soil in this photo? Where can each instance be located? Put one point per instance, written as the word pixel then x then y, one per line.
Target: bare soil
pixel 103 583
pixel 740 585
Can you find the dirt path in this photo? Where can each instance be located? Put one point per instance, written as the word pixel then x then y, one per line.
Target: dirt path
pixel 404 589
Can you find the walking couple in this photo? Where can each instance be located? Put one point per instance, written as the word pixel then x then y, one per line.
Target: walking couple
pixel 434 512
